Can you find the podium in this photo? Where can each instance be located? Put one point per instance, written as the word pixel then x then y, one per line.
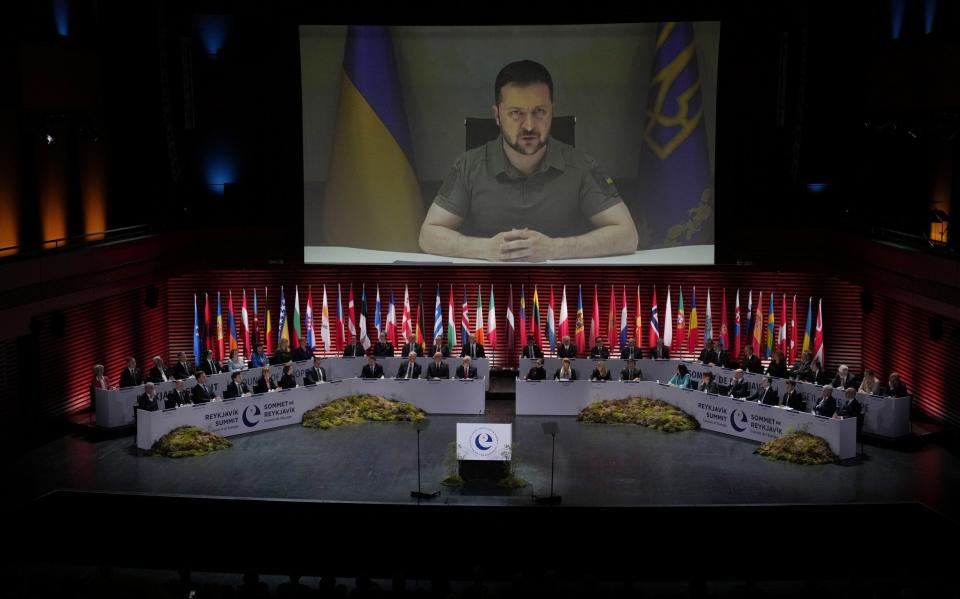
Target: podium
pixel 483 452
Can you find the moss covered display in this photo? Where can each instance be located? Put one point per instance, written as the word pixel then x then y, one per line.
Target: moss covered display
pixel 354 409
pixel 799 447
pixel 651 413
pixel 187 441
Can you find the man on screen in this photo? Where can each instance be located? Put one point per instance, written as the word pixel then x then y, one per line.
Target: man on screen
pixel 526 196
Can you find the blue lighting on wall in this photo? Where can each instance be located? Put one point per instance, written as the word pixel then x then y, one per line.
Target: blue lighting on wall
pixel 929 14
pixel 61 16
pixel 897 8
pixel 212 31
pixel 219 168
pixel 816 187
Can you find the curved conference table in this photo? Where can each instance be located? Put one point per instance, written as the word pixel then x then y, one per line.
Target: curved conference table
pixel 115 407
pixel 263 411
pixel 883 416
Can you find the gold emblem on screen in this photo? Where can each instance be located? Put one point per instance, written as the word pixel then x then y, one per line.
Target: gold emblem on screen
pixel 683 121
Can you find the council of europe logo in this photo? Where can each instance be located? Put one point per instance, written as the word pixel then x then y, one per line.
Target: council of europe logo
pixel 483 441
pixel 251 415
pixel 738 418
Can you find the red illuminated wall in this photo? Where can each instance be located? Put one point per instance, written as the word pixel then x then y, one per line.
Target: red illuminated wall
pixel 102 332
pixel 896 339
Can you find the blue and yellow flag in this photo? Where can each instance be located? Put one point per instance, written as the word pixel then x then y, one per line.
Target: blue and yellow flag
pixel 372 196
pixel 770 333
pixel 674 163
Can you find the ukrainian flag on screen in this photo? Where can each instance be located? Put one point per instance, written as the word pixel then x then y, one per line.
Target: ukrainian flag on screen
pixel 676 196
pixel 372 196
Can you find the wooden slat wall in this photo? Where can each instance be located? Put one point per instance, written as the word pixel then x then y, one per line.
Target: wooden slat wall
pixel 841 300
pixel 896 339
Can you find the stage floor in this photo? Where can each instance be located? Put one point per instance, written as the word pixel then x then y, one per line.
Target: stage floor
pixel 597 465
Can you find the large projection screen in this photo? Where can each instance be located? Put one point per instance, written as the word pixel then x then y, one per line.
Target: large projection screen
pixel 410 155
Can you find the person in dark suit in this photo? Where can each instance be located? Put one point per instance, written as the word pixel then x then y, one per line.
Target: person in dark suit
pixel 383 348
pixel 765 393
pixel 818 376
pixel 182 369
pixel 537 371
pixel 438 369
pixel 631 372
pixel 409 346
pixel 264 383
pixel 473 349
pixel 208 364
pixel 439 346
pixel 778 365
pixel 282 355
pixel 303 353
pixel 567 349
pixel 600 372
pixel 316 374
pixel 465 370
pixel 844 378
pixel 149 400
pixel 803 369
pixel 354 349
pixel 792 398
pixel 566 372
pixel 600 351
pixel 531 350
pixel 708 355
pixel 236 388
pixel 631 351
pixel 708 385
pixel 287 380
pixel 739 387
pixel 371 370
pixel 660 351
pixel 158 374
pixel 750 362
pixel 896 387
pixel 201 392
pixel 849 406
pixel 131 376
pixel 409 369
pixel 179 396
pixel 723 356
pixel 826 405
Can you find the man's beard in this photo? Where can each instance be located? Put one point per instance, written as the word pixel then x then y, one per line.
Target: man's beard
pixel 515 144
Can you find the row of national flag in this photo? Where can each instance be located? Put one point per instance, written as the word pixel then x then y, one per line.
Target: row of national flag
pixel 684 336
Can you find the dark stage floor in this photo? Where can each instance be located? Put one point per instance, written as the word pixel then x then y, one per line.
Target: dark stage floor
pixel 597 465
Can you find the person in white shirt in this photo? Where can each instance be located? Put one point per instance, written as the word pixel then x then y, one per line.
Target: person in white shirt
pixel 565 372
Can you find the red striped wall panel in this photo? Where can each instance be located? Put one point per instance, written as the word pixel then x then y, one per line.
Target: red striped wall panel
pixel 102 332
pixel 896 339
